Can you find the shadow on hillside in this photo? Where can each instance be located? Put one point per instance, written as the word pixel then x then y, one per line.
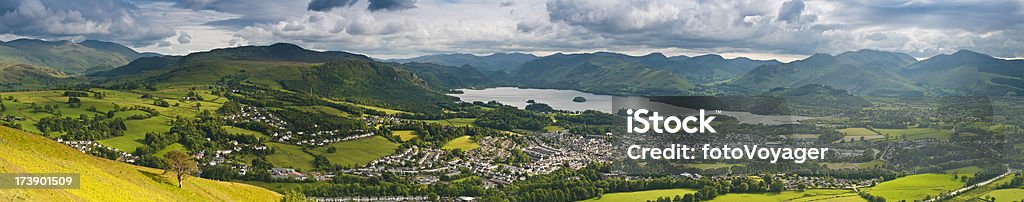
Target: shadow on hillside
pixel 159 178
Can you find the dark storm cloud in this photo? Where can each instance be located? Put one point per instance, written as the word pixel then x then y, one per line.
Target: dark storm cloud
pixel 391 5
pixel 112 20
pixel 326 5
pixel 790 11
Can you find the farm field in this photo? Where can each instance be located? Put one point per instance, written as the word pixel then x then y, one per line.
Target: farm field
pixel 855 134
pixel 824 195
pixel 286 155
pixel 914 187
pixel 1006 195
pixel 464 143
pixel 454 121
pixel 640 196
pixel 917 133
pixel 405 135
pixel 357 152
pixel 869 164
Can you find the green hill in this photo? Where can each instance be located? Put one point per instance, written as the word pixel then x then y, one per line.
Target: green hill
pixel 448 77
pixel 106 180
pixel 599 73
pixel 69 57
pixel 969 73
pixel 331 74
pixel 28 74
pixel 863 72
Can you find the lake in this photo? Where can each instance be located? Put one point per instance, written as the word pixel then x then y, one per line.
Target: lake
pixel 562 100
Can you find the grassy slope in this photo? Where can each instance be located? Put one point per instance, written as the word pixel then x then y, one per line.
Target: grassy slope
pixel 106 180
pixel 915 187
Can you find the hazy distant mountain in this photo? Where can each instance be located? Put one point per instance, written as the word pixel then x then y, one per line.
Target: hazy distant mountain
pixel 489 63
pixel 608 73
pixel 969 73
pixel 66 56
pixel 714 68
pixel 864 72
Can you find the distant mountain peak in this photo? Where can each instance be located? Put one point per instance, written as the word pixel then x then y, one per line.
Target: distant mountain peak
pixel 655 55
pixel 709 56
pixel 964 53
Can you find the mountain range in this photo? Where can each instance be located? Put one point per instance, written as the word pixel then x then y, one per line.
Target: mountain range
pixel 68 57
pixel 349 75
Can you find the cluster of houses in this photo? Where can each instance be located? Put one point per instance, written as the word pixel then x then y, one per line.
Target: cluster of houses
pixel 86 146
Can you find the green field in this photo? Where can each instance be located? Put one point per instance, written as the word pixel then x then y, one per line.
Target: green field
pixel 106 180
pixel 642 195
pixel 358 152
pixel 405 135
pixel 915 187
pixel 286 155
pixel 825 195
pixel 1007 195
pixel 865 165
pixel 855 134
pixel 454 121
pixel 464 143
pixel 236 130
pixel 355 152
pixel 169 148
pixel 917 133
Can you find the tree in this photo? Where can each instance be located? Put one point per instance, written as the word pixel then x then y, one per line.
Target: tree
pixel 294 196
pixel 181 164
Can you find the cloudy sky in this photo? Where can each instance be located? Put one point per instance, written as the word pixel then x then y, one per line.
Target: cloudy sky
pixel 785 30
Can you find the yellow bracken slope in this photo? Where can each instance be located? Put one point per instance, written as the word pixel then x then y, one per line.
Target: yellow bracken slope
pixel 106 180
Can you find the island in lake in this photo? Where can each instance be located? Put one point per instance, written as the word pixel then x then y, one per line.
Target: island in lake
pixel 579 99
